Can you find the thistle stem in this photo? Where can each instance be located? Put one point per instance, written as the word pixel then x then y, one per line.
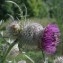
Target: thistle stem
pixel 43 55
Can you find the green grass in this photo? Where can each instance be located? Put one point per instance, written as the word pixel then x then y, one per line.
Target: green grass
pixel 36 56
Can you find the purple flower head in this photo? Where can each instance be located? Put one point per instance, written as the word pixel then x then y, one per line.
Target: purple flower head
pixel 50 38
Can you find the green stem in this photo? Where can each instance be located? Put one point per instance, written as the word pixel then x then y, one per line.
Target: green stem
pixel 43 55
pixel 10 47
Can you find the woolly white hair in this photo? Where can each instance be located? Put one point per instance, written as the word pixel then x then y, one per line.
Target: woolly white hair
pixel 32 33
pixel 14 51
pixel 13 29
pixel 59 60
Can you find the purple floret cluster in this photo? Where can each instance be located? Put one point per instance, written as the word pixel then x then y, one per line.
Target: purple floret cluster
pixel 50 38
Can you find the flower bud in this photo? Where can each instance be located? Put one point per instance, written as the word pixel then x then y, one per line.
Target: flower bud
pixel 13 29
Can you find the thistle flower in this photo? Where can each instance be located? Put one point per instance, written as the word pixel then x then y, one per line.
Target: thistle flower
pixel 58 60
pixel 13 29
pixel 50 38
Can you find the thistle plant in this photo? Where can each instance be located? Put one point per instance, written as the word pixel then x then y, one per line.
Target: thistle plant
pixel 33 33
pixel 47 39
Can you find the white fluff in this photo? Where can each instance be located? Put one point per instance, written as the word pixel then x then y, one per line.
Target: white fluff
pixel 32 34
pixel 14 51
pixel 58 60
